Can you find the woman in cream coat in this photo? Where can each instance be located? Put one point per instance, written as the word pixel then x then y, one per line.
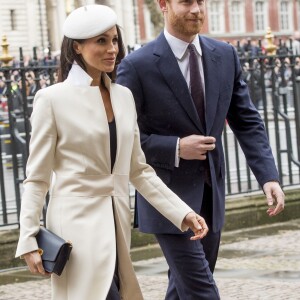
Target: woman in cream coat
pixel 72 137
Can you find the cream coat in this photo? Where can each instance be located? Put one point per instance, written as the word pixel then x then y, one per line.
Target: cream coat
pixel 89 205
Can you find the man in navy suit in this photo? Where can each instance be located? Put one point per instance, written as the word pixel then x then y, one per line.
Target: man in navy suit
pixel 186 153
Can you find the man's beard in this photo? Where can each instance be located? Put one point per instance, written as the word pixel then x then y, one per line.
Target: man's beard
pixel 185 27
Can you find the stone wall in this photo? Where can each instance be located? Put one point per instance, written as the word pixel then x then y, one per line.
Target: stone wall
pixel 24 23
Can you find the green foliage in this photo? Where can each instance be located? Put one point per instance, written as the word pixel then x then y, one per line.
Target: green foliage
pixel 156 15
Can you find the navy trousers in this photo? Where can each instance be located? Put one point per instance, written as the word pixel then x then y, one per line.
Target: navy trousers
pixel 191 263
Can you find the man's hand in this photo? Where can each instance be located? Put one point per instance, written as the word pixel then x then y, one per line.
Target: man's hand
pixel 275 196
pixel 197 224
pixel 196 146
pixel 34 262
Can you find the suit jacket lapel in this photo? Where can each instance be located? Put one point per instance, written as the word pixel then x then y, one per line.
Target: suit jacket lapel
pixel 168 66
pixel 211 64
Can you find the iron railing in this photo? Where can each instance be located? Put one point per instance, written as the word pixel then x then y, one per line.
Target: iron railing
pixel 274 84
pixel 21 82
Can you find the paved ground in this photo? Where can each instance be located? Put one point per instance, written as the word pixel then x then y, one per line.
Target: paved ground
pixel 261 264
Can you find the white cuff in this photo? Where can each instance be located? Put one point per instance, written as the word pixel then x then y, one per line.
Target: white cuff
pixel 177 157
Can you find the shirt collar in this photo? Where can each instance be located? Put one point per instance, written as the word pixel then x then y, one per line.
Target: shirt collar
pixel 179 46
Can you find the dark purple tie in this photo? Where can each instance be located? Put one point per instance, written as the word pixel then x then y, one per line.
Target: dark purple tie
pixel 198 98
pixel 196 85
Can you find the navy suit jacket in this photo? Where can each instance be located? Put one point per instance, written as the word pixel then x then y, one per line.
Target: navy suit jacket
pixel 166 111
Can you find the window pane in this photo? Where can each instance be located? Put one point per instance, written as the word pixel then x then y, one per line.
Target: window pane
pixel 236 17
pixel 284 15
pixel 215 16
pixel 259 15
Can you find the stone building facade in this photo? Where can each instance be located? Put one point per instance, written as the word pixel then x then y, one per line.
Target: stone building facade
pixel 24 23
pixel 38 23
pixel 237 19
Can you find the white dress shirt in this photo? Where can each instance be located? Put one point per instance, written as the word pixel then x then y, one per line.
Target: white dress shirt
pixel 179 48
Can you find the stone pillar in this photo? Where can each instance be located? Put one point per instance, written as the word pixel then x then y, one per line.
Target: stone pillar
pixel 37 27
pixel 125 12
pixel 56 14
pixel 31 24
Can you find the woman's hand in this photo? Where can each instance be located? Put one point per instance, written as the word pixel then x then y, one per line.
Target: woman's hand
pixel 34 262
pixel 197 224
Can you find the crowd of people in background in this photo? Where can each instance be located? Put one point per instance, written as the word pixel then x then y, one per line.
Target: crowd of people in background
pixel 287 61
pixel 247 48
pixel 252 47
pixel 283 76
pixel 33 82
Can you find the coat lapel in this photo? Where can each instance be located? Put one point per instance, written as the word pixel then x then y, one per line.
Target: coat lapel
pixel 168 66
pixel 211 65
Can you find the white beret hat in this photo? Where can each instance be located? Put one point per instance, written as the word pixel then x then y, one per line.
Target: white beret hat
pixel 89 21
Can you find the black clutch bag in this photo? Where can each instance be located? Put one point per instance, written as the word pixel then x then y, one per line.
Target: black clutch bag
pixel 54 250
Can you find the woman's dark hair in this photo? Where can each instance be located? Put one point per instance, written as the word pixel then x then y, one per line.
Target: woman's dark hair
pixel 68 55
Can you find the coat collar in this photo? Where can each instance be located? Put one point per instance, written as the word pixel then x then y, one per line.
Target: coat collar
pixel 177 83
pixel 211 68
pixel 169 68
pixel 78 77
